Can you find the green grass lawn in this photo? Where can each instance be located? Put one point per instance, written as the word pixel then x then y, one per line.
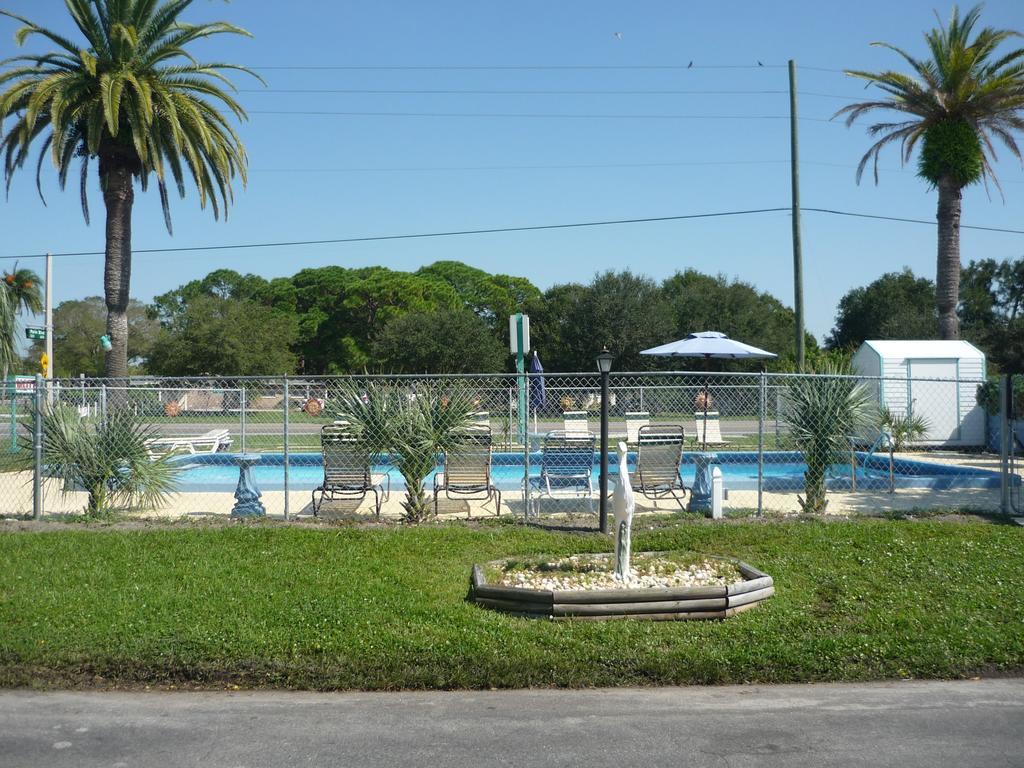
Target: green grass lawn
pixel 384 608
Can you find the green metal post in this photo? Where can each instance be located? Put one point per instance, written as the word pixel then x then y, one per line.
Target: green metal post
pixel 521 380
pixel 37 450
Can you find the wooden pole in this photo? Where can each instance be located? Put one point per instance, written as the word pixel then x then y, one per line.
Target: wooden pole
pixel 798 265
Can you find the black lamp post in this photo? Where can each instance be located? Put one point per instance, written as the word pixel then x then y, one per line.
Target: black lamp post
pixel 604 367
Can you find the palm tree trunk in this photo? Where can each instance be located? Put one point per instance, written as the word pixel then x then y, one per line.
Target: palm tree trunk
pixel 119 195
pixel 947 281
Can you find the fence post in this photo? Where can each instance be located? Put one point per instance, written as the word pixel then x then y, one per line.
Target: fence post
pixel 242 414
pixel 103 403
pixel 1005 390
pixel 777 411
pixel 511 415
pixel 37 448
pixel 286 467
pixel 526 479
pixel 762 405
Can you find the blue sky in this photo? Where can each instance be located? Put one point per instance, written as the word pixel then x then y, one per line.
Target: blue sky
pixel 333 176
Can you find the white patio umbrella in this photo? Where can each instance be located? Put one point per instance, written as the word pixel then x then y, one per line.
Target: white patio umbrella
pixel 708 345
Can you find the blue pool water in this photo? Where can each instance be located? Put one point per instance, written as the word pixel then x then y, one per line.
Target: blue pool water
pixel 783 471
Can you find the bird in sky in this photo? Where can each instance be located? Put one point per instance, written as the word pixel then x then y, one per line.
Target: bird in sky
pixel 760 64
pixel 618 35
pixel 690 65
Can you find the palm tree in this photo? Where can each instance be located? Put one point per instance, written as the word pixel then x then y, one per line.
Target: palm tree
pixel 107 458
pixel 824 412
pixel 8 331
pixel 410 428
pixel 131 97
pixel 956 103
pixel 20 290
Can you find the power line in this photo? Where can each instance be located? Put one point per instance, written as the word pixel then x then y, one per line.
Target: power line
pixel 546 115
pixel 422 235
pixel 569 166
pixel 572 166
pixel 515 67
pixel 908 221
pixel 497 230
pixel 544 92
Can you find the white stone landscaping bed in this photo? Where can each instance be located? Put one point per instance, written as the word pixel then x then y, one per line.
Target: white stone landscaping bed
pixel 596 572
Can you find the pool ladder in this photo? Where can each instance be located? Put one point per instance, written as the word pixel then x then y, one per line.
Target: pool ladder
pixel 883 437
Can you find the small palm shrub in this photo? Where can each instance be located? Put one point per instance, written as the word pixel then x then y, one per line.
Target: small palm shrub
pixel 904 429
pixel 824 412
pixel 108 459
pixel 413 426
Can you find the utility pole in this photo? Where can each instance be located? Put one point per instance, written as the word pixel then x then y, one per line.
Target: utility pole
pixel 798 259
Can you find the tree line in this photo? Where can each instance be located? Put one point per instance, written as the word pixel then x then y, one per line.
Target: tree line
pixel 449 317
pixel 899 305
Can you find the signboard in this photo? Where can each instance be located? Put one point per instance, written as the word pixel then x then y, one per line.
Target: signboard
pixel 514 334
pixel 25 384
pixel 35 334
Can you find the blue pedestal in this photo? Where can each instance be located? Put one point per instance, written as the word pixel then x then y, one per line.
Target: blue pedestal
pixel 700 491
pixel 247 495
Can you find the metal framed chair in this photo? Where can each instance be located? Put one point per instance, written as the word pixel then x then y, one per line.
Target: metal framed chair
pixel 658 456
pixel 567 463
pixel 347 465
pixel 467 470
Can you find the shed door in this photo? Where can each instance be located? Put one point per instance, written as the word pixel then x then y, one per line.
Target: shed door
pixel 936 401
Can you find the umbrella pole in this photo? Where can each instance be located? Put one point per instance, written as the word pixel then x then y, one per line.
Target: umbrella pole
pixel 707 394
pixel 704 439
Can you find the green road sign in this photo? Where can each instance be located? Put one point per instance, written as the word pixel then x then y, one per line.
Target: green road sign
pixel 35 334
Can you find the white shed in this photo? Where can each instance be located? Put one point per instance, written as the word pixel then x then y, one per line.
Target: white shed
pixel 934 379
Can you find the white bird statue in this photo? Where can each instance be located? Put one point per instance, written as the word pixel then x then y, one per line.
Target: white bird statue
pixel 624 505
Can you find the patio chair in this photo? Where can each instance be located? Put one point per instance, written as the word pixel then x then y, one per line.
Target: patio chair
pixel 209 442
pixel 467 470
pixel 566 463
pixel 708 429
pixel 347 474
pixel 481 419
pixel 575 422
pixel 634 421
pixel 658 456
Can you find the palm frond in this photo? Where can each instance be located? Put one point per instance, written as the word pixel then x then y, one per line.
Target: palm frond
pixel 963 79
pixel 130 91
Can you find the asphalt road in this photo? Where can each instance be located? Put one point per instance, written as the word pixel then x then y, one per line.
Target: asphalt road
pixel 977 723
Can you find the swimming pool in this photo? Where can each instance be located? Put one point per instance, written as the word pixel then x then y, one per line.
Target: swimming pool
pixel 783 471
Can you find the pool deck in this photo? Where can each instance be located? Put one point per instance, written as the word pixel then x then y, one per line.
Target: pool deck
pixel 16 499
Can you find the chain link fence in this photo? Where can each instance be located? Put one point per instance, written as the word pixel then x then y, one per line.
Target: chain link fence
pixel 522 445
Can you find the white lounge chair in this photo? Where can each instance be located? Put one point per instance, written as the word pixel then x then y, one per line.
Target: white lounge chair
pixel 575 422
pixel 481 419
pixel 708 429
pixel 634 421
pixel 210 442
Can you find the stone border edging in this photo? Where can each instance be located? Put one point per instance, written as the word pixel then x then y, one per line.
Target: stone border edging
pixel 654 604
